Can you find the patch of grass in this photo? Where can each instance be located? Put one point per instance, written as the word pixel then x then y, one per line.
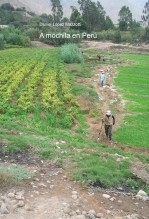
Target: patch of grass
pixel 138 103
pixel 6 181
pixel 133 81
pixel 132 89
pixel 15 172
pixel 102 170
pixel 82 70
pixel 133 131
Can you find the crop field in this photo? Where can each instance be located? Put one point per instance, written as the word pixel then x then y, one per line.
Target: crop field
pixel 133 82
pixel 34 80
pixel 40 114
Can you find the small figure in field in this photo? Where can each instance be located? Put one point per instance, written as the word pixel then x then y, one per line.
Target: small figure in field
pixel 102 79
pixel 108 121
pixel 98 57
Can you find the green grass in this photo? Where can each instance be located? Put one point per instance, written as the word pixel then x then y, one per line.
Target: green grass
pixel 134 131
pixel 138 103
pixel 133 82
pixel 16 172
pixel 95 168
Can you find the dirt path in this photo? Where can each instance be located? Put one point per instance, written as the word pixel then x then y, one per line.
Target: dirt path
pixel 39 44
pixel 51 195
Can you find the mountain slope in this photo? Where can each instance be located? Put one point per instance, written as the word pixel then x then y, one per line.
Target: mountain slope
pixel 112 9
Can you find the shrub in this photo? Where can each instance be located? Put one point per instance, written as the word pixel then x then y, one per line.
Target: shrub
pixel 2 42
pixel 32 33
pixel 126 36
pixel 26 41
pixel 71 53
pixel 117 37
pixel 14 39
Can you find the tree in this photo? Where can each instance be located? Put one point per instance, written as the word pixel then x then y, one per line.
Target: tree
pixel 8 7
pixel 65 20
pixel 57 10
pixel 76 17
pixel 2 42
pixel 145 20
pixel 145 16
pixel 21 9
pixel 46 18
pixel 125 18
pixel 109 23
pixel 93 14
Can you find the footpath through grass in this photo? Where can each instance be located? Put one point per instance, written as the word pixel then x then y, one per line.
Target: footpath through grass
pixel 133 82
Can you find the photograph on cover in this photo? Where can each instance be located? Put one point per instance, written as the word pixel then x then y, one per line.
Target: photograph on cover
pixel 74 109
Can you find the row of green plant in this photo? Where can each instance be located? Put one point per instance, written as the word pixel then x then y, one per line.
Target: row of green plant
pixel 37 82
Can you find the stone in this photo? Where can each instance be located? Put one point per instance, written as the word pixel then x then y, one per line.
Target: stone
pixel 78 217
pixel 142 195
pixel 21 204
pixel 42 185
pixel 84 212
pixel 4 209
pixel 92 212
pixel 11 195
pixel 28 207
pixel 74 193
pixel 106 196
pixel 112 199
pixel 19 197
pixel 5 199
pixel 67 210
pixel 99 215
pixel 74 196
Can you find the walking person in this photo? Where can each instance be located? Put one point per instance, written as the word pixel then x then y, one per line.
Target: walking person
pixel 108 121
pixel 102 79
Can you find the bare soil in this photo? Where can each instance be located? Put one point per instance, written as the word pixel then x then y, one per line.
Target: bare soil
pixel 50 192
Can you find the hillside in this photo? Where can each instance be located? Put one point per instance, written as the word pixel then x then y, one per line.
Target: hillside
pixel 111 8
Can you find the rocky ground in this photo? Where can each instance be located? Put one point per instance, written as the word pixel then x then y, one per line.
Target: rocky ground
pixel 50 194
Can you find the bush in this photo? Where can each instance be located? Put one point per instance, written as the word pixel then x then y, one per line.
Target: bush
pixel 14 39
pixel 71 53
pixel 2 42
pixel 117 37
pixel 32 33
pixel 126 37
pixel 26 41
pixel 13 36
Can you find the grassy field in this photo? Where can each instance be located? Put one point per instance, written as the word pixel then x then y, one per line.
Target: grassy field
pixel 39 114
pixel 133 82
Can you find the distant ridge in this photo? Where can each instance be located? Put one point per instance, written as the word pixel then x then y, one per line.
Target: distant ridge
pixel 112 8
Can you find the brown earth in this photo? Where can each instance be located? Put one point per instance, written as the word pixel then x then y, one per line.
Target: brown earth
pixel 50 194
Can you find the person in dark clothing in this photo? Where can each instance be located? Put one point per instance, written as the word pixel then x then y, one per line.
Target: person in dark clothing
pixel 108 121
pixel 98 57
